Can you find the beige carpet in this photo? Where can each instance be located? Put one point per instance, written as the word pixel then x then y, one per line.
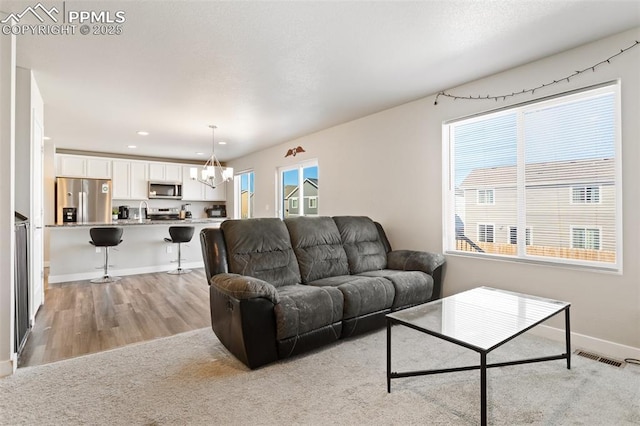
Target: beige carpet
pixel 191 379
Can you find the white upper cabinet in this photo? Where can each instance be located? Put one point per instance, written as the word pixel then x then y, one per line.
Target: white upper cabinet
pixel 99 168
pixel 165 172
pixel 120 185
pixel 81 166
pixel 70 165
pixel 192 190
pixel 130 180
pixel 139 180
pixel 219 193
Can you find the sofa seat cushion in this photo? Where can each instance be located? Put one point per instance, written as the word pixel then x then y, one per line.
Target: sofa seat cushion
pixel 261 248
pixel 411 287
pixel 318 247
pixel 304 308
pixel 361 240
pixel 362 295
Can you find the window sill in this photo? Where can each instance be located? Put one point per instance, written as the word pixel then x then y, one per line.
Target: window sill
pixel 582 267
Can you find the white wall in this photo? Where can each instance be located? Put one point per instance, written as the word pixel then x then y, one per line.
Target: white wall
pixel 7 204
pixel 389 166
pixel 23 141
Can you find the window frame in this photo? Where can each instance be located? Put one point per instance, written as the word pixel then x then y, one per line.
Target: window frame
pixel 237 193
pixel 300 167
pixel 449 188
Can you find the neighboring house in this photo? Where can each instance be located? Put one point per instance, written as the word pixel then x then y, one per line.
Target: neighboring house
pixel 582 205
pixel 246 200
pixel 310 198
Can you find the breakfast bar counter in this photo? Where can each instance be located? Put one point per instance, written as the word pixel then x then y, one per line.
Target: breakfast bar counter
pixel 143 249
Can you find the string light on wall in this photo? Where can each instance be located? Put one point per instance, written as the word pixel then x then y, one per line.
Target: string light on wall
pixel 533 90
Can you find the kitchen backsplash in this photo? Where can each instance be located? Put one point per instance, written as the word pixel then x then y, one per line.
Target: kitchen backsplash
pixel 196 207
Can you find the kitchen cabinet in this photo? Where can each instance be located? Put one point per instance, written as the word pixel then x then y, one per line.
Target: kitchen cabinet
pixel 220 191
pixel 130 180
pixel 192 190
pixel 81 166
pixel 165 172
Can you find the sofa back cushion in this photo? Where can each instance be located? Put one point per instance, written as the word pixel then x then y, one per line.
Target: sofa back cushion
pixel 261 248
pixel 318 247
pixel 361 241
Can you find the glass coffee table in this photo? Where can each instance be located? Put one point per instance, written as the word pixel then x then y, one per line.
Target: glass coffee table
pixel 481 319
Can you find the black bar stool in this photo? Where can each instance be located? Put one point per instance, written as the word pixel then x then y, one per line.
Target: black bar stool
pixel 105 237
pixel 179 235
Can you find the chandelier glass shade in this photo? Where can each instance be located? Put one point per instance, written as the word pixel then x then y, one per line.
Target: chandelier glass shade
pixel 212 173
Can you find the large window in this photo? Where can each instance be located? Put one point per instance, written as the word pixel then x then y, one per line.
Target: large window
pixel 551 165
pixel 298 192
pixel 244 191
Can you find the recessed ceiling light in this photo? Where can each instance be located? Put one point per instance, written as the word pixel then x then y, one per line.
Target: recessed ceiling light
pixel 131 146
pixel 143 133
pixel 199 153
pixel 222 143
pixel 46 138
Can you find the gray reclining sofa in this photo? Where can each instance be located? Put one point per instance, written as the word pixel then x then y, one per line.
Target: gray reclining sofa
pixel 280 288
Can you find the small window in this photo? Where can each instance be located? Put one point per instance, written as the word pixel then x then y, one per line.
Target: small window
pixel 244 191
pixel 587 238
pixel 513 235
pixel 485 233
pixel 585 194
pixel 298 184
pixel 486 196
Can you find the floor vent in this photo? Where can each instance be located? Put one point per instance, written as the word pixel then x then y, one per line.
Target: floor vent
pixel 599 358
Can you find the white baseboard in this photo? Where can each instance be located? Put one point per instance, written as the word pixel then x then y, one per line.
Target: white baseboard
pixel 7 367
pixel 121 272
pixel 588 343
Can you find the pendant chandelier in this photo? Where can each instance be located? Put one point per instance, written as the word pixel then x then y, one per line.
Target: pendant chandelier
pixel 212 173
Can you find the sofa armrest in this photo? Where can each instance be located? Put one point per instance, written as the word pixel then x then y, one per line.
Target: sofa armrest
pixel 243 287
pixel 411 260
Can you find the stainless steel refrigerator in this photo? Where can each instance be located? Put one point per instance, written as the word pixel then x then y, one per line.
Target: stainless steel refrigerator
pixel 83 200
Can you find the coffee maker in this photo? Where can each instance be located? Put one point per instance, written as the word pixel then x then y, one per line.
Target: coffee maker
pixel 123 212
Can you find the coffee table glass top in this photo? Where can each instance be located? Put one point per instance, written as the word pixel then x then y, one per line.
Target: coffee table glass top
pixel 481 318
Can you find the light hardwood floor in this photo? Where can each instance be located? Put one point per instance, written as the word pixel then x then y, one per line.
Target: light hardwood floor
pixel 79 317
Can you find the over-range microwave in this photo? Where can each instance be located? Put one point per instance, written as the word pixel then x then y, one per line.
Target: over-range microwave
pixel 166 190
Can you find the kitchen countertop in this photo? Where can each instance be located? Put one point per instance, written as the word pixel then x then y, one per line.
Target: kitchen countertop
pixel 136 222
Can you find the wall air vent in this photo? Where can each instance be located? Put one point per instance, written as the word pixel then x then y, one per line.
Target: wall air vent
pixel 599 358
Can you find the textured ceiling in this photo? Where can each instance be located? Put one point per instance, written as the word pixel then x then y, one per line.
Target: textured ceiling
pixel 266 72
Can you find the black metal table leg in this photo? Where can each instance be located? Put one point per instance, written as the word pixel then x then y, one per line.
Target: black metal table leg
pixel 483 388
pixel 567 330
pixel 388 356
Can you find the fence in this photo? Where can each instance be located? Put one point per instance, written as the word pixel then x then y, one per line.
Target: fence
pixel 543 251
